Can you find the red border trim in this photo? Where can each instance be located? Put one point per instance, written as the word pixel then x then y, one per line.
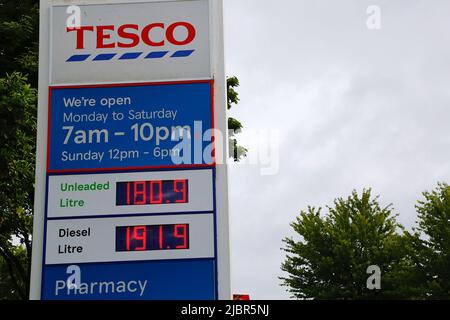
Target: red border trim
pixel 49 126
pixel 213 125
pixel 139 84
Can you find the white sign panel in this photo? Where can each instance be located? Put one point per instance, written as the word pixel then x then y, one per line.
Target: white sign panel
pixel 97 240
pixel 106 194
pixel 152 41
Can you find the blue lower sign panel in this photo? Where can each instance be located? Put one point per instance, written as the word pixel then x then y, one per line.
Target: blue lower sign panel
pixel 127 126
pixel 156 280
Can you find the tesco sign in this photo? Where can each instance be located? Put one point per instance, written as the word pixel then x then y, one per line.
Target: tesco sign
pixel 131 35
pixel 149 40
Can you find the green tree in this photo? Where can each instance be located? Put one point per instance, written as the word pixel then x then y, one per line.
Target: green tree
pixel 331 256
pixel 11 286
pixel 431 242
pixel 19 31
pixel 17 158
pixel 19 23
pixel 234 126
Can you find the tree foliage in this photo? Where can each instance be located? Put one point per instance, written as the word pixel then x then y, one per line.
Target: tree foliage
pixel 17 154
pixel 237 152
pixel 19 31
pixel 431 242
pixel 331 258
pixel 11 285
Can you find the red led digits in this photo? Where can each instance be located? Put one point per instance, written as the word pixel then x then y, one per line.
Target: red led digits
pixel 181 235
pixel 153 192
pixel 136 239
pixel 129 193
pixel 128 239
pixel 180 186
pixel 140 193
pixel 140 237
pixel 160 238
pixel 152 237
pixel 158 194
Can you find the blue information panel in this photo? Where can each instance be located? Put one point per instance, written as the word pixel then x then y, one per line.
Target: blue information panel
pixel 118 157
pixel 168 280
pixel 133 126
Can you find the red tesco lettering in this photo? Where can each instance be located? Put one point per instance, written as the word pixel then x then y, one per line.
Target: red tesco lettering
pixel 130 35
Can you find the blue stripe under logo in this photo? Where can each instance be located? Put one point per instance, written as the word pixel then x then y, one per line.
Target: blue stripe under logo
pixel 78 57
pixel 129 56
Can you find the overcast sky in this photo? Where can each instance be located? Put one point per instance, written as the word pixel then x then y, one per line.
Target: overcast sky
pixel 354 108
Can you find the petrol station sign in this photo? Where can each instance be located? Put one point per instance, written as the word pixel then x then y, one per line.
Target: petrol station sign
pixel 130 200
